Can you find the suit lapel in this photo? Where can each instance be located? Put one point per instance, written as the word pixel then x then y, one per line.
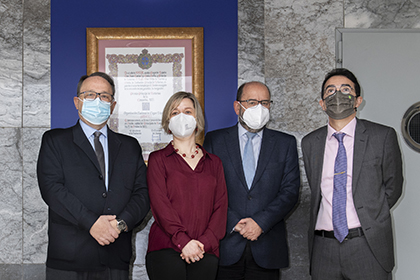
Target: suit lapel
pixel 234 152
pixel 360 142
pixel 267 146
pixel 114 145
pixel 80 139
pixel 318 157
pixel 316 165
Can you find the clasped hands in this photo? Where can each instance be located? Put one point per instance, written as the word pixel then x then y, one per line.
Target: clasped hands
pixel 105 230
pixel 248 228
pixel 193 251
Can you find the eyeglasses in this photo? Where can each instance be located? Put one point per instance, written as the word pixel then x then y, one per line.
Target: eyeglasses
pixel 254 102
pixel 331 89
pixel 92 95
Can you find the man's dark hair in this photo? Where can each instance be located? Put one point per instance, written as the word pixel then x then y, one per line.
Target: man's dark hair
pixel 241 89
pixel 342 72
pixel 98 74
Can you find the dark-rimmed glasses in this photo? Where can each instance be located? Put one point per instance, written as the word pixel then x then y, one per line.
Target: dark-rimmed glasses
pixel 254 102
pixel 92 95
pixel 331 89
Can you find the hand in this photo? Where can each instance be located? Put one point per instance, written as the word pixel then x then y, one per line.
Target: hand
pixel 114 224
pixel 103 231
pixel 239 226
pixel 193 251
pixel 249 229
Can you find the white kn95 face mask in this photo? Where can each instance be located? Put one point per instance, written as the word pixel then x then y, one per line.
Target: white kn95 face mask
pixel 182 125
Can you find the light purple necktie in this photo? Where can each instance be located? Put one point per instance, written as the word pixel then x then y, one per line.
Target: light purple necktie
pixel 340 193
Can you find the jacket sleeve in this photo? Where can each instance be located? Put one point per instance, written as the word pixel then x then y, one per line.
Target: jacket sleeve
pixel 287 195
pixel 52 186
pixel 392 168
pixel 138 206
pixel 217 224
pixel 232 217
pixel 163 212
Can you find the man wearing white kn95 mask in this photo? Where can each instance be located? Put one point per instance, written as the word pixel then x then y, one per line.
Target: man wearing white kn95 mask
pixel 262 177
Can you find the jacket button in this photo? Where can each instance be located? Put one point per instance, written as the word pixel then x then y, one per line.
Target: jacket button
pixel 101 177
pixel 104 195
pixel 249 197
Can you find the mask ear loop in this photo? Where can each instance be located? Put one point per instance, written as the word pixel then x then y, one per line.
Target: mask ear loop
pixel 241 105
pixel 239 116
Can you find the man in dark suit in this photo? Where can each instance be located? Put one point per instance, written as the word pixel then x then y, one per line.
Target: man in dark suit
pixel 354 170
pixel 94 182
pixel 262 177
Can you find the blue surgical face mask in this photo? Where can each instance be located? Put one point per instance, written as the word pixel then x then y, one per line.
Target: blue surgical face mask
pixel 96 111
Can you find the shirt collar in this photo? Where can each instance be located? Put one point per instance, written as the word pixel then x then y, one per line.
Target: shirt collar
pixel 88 130
pixel 349 129
pixel 242 131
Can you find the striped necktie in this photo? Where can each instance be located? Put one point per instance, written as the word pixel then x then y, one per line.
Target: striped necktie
pixel 99 152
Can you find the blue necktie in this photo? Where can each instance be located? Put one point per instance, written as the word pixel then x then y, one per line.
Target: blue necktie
pixel 340 193
pixel 248 160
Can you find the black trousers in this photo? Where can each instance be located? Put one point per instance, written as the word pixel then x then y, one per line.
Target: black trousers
pixel 108 274
pixel 167 264
pixel 247 269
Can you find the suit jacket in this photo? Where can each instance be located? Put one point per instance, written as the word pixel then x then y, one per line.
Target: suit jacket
pixel 273 194
pixel 376 186
pixel 72 185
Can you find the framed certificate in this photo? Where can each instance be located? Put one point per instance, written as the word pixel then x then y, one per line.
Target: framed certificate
pixel 148 66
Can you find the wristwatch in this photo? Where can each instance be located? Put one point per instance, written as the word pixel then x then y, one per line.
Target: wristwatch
pixel 121 225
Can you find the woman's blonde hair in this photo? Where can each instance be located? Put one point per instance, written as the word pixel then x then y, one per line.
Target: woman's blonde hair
pixel 174 102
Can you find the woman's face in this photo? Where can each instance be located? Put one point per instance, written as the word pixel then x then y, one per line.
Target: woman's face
pixel 186 106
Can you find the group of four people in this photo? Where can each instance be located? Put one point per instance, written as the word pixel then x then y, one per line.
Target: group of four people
pixel 219 208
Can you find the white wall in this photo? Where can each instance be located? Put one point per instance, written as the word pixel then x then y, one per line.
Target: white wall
pixel 386 63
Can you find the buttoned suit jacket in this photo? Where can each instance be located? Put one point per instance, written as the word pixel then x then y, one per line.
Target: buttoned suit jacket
pixel 376 183
pixel 273 194
pixel 72 185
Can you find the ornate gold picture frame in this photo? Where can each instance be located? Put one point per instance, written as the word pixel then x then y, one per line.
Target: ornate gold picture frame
pixel 146 51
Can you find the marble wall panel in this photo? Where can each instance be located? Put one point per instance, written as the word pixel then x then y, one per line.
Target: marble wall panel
pixel 250 41
pixel 36 63
pixel 10 196
pixel 35 212
pixel 11 63
pixel 140 242
pixel 299 51
pixel 382 14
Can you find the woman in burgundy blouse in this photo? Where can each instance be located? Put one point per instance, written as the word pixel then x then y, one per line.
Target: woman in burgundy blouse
pixel 188 198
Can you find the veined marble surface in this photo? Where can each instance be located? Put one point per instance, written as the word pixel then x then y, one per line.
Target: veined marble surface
pixel 24 116
pixel 250 41
pixel 35 212
pixel 36 63
pixel 11 195
pixel 382 14
pixel 300 46
pixel 11 63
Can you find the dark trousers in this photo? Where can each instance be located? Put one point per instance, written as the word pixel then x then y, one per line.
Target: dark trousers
pixel 167 264
pixel 350 260
pixel 108 274
pixel 247 269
